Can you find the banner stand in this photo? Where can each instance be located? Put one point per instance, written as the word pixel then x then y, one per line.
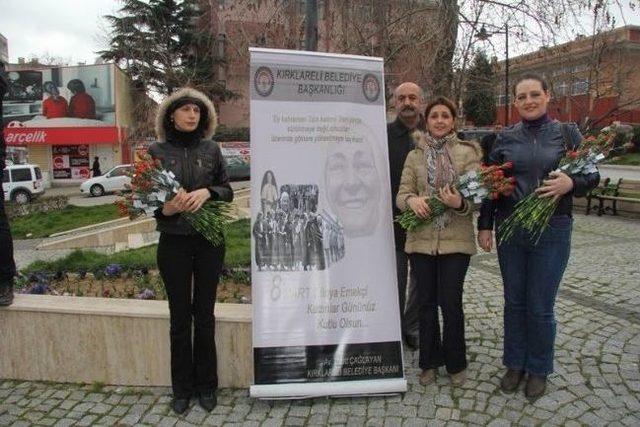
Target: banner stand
pixel 342 389
pixel 326 318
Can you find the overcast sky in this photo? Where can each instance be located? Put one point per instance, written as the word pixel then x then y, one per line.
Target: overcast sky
pixel 70 29
pixel 74 29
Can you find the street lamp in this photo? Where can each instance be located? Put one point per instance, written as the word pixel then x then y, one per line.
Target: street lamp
pixel 483 35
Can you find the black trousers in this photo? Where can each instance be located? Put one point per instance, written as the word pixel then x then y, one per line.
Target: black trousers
pixel 408 298
pixel 440 281
pixel 183 261
pixel 7 264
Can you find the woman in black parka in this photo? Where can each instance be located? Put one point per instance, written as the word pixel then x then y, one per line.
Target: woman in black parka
pixel 189 264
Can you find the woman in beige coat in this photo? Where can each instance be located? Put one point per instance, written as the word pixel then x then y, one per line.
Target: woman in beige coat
pixel 440 251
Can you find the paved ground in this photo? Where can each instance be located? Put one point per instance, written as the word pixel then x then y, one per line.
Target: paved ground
pixel 597 379
pixel 616 172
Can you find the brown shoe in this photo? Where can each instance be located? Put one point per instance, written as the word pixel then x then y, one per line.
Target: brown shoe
pixel 510 381
pixel 536 385
pixel 459 378
pixel 427 376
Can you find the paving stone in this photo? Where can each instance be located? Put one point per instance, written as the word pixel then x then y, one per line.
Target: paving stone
pixel 87 420
pixel 596 380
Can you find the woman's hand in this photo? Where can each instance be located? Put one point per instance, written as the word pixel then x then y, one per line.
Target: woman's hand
pixel 557 186
pixel 451 197
pixel 175 205
pixel 485 240
pixel 195 199
pixel 419 206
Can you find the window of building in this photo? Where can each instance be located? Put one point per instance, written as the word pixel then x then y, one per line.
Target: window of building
pixel 560 89
pixel 580 87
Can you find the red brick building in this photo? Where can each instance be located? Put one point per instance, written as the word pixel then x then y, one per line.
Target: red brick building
pixel 404 32
pixel 594 80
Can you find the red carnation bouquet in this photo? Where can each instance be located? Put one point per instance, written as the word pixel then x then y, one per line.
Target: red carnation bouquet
pixel 487 182
pixel 152 186
pixel 533 213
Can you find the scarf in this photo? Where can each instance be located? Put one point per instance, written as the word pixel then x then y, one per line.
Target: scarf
pixel 440 171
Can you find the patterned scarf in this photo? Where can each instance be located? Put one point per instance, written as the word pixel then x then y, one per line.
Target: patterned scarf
pixel 440 171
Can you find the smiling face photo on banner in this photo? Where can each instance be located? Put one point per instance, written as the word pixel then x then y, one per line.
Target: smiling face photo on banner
pixel 352 184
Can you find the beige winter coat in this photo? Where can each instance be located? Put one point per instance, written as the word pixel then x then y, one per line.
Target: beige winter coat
pixel 458 235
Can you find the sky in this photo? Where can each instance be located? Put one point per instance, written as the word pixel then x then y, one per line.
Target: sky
pixel 74 29
pixel 71 29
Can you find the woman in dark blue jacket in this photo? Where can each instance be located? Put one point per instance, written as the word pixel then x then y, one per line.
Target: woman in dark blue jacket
pixel 531 272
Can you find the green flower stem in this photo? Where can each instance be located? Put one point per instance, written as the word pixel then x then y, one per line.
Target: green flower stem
pixel 410 221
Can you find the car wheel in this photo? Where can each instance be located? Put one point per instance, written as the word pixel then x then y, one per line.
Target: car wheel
pixel 96 190
pixel 21 197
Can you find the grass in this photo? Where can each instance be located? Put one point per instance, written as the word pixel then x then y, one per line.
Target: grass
pixel 238 254
pixel 43 224
pixel 628 159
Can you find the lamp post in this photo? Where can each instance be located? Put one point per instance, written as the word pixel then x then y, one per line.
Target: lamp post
pixel 483 34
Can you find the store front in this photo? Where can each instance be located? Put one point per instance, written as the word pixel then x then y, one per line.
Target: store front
pixel 65 155
pixel 62 118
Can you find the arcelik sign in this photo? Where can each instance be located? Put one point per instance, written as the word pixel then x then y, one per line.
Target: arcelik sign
pixel 61 135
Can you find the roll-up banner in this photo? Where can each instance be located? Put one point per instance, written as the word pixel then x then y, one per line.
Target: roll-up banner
pixel 325 300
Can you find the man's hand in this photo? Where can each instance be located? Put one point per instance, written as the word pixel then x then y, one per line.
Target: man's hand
pixel 485 240
pixel 419 206
pixel 557 186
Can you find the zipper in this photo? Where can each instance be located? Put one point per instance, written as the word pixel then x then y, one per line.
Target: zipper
pixel 534 163
pixel 186 170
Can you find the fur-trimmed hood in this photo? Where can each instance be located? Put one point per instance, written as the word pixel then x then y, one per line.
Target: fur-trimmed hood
pixel 420 141
pixel 161 134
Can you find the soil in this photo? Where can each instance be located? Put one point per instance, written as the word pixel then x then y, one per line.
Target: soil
pixel 127 285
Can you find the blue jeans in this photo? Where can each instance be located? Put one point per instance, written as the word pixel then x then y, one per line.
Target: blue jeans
pixel 531 274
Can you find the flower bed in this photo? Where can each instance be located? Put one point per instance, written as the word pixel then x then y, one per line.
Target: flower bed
pixel 116 281
pixel 40 204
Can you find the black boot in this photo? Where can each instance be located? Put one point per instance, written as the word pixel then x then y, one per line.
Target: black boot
pixel 536 386
pixel 511 380
pixel 179 405
pixel 208 400
pixel 6 294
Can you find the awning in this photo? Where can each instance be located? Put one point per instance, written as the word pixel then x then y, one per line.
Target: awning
pixel 63 135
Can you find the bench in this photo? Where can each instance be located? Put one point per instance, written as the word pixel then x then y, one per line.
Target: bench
pixel 624 190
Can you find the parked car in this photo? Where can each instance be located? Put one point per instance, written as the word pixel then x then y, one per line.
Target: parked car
pixel 116 179
pixel 22 183
pixel 237 154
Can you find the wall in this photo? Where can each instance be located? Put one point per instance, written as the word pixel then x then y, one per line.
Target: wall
pixel 113 341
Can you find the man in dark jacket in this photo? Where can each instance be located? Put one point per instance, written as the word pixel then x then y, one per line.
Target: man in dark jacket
pixel 408 99
pixel 7 264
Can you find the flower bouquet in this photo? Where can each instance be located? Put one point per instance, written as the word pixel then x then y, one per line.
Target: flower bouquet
pixel 533 213
pixel 152 186
pixel 474 186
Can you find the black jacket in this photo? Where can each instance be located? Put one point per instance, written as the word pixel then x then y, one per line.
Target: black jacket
pixel 3 90
pixel 400 144
pixel 199 165
pixel 534 155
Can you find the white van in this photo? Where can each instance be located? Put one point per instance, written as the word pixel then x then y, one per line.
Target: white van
pixel 21 183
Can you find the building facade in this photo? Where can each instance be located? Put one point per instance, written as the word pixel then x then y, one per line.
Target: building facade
pixel 61 118
pixel 593 80
pixel 4 49
pixel 406 33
